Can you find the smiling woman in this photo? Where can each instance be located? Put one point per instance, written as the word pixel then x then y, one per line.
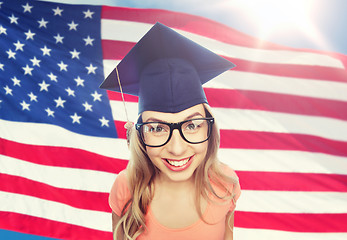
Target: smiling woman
pixel 174 186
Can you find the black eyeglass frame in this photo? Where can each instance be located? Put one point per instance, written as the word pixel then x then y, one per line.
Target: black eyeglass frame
pixel 178 126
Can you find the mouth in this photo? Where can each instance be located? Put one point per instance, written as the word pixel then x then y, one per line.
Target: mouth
pixel 178 165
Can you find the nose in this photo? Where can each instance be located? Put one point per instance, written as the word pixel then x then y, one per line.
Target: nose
pixel 176 146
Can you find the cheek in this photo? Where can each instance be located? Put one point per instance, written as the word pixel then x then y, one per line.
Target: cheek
pixel 200 149
pixel 153 153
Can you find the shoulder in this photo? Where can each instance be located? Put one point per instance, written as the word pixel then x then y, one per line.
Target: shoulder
pixel 122 176
pixel 120 193
pixel 225 175
pixel 228 171
pixel 226 180
pixel 226 186
pixel 234 186
pixel 121 182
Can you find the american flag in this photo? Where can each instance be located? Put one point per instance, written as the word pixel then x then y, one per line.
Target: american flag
pixel 282 114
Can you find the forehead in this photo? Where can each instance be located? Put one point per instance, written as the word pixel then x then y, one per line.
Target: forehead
pixel 195 111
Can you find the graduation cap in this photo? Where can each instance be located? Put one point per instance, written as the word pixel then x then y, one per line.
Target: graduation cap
pixel 166 70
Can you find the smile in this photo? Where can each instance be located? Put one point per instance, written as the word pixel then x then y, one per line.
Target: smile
pixel 178 165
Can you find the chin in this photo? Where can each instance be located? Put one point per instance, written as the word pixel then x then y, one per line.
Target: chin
pixel 180 177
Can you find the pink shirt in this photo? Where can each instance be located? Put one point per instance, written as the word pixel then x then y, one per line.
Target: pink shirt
pixel 214 213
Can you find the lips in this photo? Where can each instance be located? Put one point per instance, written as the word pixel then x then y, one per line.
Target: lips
pixel 178 165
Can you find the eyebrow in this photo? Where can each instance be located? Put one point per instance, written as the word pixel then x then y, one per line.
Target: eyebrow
pixel 194 115
pixel 187 118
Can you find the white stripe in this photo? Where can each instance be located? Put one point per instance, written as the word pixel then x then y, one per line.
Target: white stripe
pixel 292 202
pixel 250 233
pixel 51 135
pixel 267 83
pixel 109 65
pixel 61 177
pixel 256 120
pixel 120 32
pixel 118 112
pixel 276 84
pixel 263 121
pixel 283 161
pixel 32 206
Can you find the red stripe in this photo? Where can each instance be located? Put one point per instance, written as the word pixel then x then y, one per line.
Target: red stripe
pixel 113 50
pixel 291 70
pixel 61 157
pixel 116 96
pixel 292 181
pixel 91 200
pixel 254 100
pixel 249 181
pixel 281 141
pixel 121 131
pixel 294 222
pixel 49 228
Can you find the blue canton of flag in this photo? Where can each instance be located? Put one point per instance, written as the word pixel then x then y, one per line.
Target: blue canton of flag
pixel 51 67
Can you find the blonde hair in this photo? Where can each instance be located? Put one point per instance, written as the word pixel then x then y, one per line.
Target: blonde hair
pixel 141 173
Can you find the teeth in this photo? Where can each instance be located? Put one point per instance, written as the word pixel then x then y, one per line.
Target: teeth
pixel 178 163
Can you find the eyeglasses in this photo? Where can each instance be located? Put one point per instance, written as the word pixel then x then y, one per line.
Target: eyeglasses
pixel 157 134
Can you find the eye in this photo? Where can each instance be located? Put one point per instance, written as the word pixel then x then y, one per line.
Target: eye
pixel 193 125
pixel 155 128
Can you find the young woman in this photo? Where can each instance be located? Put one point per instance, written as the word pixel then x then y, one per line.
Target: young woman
pixel 174 187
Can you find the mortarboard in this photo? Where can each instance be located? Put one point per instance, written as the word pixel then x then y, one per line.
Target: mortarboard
pixel 166 70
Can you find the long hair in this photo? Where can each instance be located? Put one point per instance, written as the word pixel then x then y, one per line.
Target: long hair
pixel 211 171
pixel 141 174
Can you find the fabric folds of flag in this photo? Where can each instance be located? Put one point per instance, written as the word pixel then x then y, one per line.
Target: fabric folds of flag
pixel 282 114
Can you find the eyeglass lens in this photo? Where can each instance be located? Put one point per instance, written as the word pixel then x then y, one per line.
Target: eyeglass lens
pixel 157 133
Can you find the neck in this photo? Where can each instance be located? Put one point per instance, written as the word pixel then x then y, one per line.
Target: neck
pixel 168 185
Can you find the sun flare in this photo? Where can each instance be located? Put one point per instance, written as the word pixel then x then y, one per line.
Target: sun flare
pixel 272 16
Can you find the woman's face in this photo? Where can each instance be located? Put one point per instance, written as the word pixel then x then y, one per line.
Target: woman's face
pixel 177 160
